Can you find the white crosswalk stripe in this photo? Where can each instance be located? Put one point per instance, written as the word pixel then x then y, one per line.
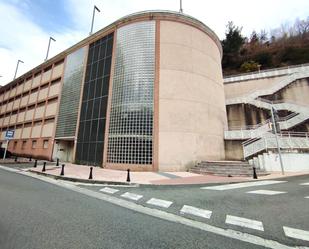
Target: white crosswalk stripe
pixel 131 196
pixel 307 197
pixel 196 211
pixel 304 183
pixel 109 190
pixel 265 192
pixel 159 202
pixel 244 222
pixel 296 233
pixel 242 185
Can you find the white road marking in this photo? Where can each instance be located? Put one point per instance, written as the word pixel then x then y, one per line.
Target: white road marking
pixel 243 222
pixel 196 211
pixel 307 197
pixel 131 196
pixel 242 185
pixel 9 169
pixel 109 190
pixel 265 192
pixel 305 183
pixel 159 202
pixel 296 233
pixel 229 233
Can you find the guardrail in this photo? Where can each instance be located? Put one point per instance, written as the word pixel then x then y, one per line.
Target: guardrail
pixel 287 140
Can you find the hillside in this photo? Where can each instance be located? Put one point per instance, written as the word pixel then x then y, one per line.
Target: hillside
pixel 284 46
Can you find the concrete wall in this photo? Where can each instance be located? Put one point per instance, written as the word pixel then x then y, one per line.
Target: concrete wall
pixel 240 88
pixel 234 150
pixel 192 112
pixel 292 162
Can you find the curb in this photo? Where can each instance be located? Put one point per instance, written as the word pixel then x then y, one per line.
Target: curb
pixel 71 179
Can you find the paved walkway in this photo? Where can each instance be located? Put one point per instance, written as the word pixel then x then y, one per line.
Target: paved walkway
pixel 155 178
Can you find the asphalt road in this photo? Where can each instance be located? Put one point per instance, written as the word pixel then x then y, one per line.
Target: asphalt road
pixel 290 208
pixel 36 214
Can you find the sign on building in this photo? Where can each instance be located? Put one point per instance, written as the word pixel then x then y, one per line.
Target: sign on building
pixel 9 134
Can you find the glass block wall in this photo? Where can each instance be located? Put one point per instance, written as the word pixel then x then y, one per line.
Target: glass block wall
pixel 90 139
pixel 131 117
pixel 70 95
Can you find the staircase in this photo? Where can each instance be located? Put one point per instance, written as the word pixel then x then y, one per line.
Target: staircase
pixel 226 168
pixel 299 113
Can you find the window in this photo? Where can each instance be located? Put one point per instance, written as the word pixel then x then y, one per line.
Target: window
pixel 90 138
pixel 34 144
pixel 45 144
pixel 23 146
pixel 15 145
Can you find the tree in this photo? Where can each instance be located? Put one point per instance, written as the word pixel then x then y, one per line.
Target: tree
pixel 231 45
pixel 233 39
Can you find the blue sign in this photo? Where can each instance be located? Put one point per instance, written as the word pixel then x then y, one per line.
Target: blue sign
pixel 9 134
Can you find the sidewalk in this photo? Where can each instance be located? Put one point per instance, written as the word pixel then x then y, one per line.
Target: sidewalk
pixel 77 173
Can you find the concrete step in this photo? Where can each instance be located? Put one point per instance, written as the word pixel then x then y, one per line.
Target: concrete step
pixel 226 168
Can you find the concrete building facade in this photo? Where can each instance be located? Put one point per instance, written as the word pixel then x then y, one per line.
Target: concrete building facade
pixel 145 93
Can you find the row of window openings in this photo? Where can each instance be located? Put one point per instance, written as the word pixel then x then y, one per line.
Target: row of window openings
pixel 29 92
pixel 24 110
pixel 33 145
pixel 36 74
pixel 28 124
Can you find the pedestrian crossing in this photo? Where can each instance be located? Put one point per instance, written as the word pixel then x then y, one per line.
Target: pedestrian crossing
pixel 196 211
pixel 244 222
pixel 241 185
pixel 265 192
pixel 231 220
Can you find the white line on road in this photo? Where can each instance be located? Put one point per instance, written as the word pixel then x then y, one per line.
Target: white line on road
pixel 229 233
pixel 196 211
pixel 265 192
pixel 159 202
pixel 296 233
pixel 242 185
pixel 243 222
pixel 305 183
pixel 131 196
pixel 307 197
pixel 109 190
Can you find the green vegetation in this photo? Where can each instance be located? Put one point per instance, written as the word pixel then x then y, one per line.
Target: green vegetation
pixel 284 46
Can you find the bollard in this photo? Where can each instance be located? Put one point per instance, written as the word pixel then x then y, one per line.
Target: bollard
pixel 57 164
pixel 44 165
pixel 30 159
pixel 254 173
pixel 128 175
pixel 62 170
pixel 15 158
pixel 90 175
pixel 35 163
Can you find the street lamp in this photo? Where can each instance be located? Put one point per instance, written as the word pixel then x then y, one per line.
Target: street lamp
pixel 94 9
pixel 19 61
pixel 275 121
pixel 180 9
pixel 50 39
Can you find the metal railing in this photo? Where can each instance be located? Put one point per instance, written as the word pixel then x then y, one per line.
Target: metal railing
pixel 287 140
pixel 266 73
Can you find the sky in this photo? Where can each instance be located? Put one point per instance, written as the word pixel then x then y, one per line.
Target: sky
pixel 26 25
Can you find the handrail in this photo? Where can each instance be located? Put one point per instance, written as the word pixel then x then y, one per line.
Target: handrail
pixel 267 71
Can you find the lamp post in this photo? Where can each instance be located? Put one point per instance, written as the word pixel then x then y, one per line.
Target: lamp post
pixel 19 61
pixel 50 39
pixel 94 9
pixel 180 9
pixel 274 121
